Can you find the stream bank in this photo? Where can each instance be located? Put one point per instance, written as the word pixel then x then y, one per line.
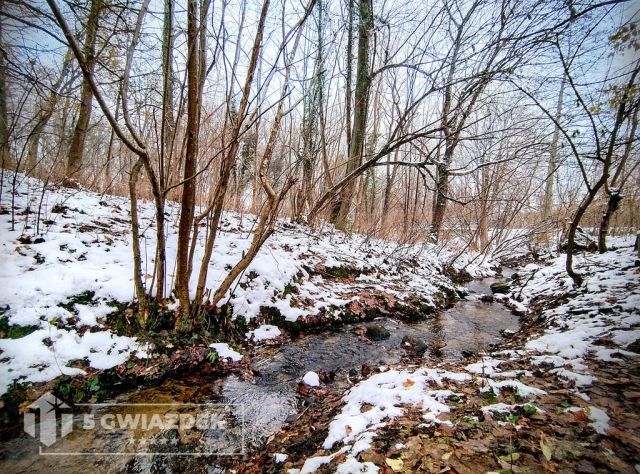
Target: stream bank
pixel 267 396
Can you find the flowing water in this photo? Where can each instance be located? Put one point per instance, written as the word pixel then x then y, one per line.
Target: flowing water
pixel 271 397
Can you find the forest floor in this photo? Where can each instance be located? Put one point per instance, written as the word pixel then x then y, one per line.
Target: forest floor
pixel 67 281
pixel 561 396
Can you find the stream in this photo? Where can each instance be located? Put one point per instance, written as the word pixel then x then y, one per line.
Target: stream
pixel 269 399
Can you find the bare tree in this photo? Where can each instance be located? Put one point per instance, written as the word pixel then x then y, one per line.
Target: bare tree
pixel 189 186
pixel 76 149
pixel 360 110
pixel 4 119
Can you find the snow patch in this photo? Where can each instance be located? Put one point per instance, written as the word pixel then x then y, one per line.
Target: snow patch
pixel 599 420
pixel 224 351
pixel 386 393
pixel 263 333
pixel 311 379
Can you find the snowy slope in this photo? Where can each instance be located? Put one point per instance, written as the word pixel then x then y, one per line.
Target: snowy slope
pixel 597 320
pixel 84 244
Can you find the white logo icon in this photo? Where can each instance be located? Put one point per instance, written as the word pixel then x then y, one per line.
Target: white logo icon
pixel 48 405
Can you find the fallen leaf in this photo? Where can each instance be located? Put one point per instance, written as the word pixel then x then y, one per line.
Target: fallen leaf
pixel 395 464
pixel 580 415
pixel 513 457
pixel 547 451
pixel 408 383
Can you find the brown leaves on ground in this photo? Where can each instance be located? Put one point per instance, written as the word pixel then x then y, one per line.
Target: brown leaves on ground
pixel 549 439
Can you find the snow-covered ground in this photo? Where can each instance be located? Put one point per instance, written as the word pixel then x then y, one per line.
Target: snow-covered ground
pixel 598 321
pixel 84 245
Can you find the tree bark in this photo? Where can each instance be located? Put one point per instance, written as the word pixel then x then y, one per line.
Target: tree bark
pixel 183 322
pixel 614 190
pixel 547 205
pixel 360 109
pixel 143 312
pixel 76 148
pixel 4 119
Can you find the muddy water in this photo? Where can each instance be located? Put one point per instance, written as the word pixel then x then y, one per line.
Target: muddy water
pixel 266 402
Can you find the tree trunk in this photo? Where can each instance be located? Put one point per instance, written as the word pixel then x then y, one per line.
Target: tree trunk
pixel 4 119
pixel 311 128
pixel 573 227
pixel 360 108
pixel 189 187
pixel 167 126
pixel 143 312
pixel 614 190
pixel 230 156
pixel 45 111
pixel 440 199
pixel 452 125
pixel 76 148
pixel 613 203
pixel 621 115
pixel 483 222
pixel 349 72
pixel 547 205
pixel 386 202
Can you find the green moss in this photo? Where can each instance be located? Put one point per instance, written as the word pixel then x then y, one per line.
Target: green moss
pixel 338 272
pixel 11 401
pixel 90 389
pixel 85 298
pixel 273 316
pixel 289 289
pixel 500 287
pixel 490 396
pixel 14 331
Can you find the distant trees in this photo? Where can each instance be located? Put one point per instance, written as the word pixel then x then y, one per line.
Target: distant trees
pixel 604 108
pixel 427 123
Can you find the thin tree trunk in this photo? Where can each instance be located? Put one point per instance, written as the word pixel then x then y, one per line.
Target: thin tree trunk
pixel 614 190
pixel 183 322
pixel 602 181
pixel 451 133
pixel 336 205
pixel 76 149
pixel 229 159
pixel 45 111
pixel 440 198
pixel 4 119
pixel 483 222
pixel 167 126
pixel 386 203
pixel 547 205
pixel 135 237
